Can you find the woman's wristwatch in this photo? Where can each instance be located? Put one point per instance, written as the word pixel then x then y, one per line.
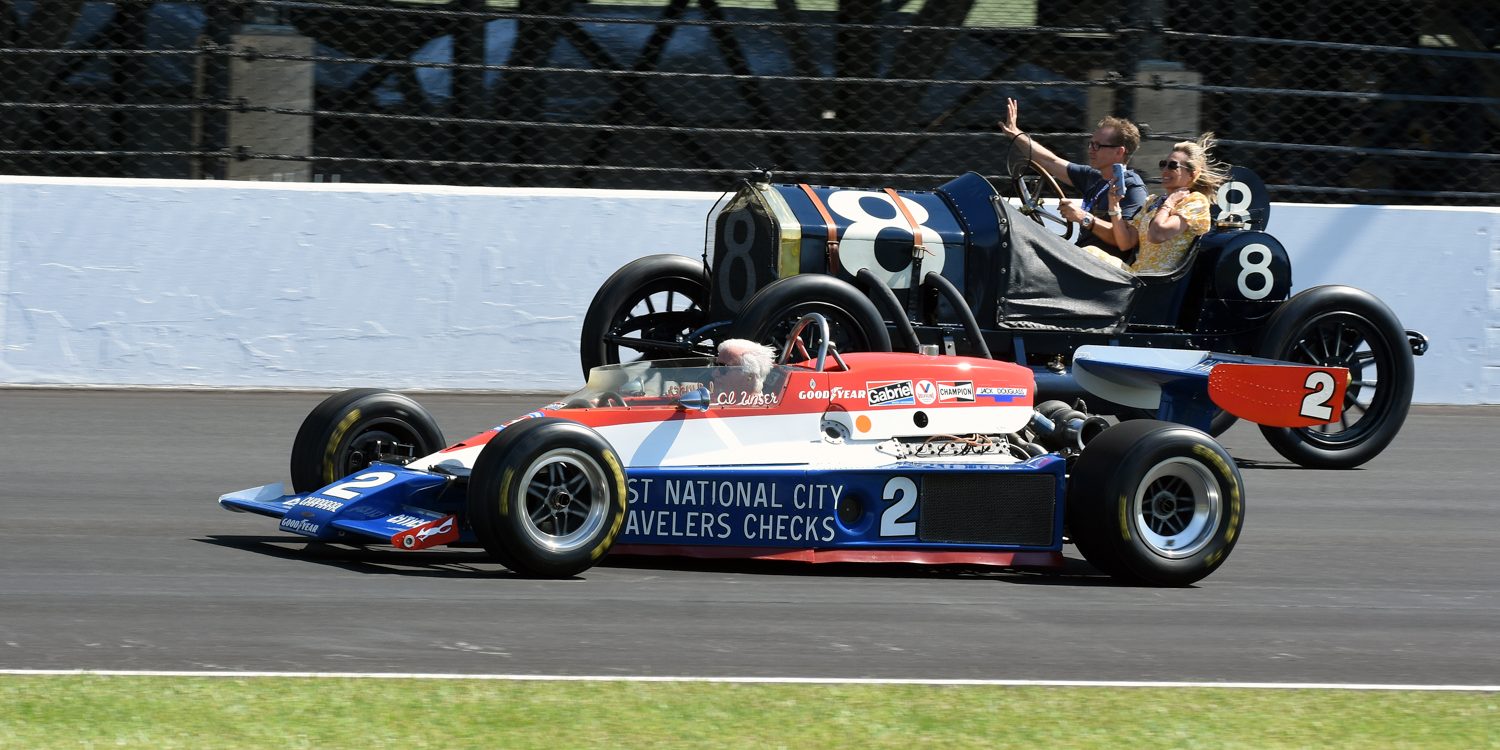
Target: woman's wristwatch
pixel 1115 211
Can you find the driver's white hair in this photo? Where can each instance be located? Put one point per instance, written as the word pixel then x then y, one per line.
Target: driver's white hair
pixel 755 357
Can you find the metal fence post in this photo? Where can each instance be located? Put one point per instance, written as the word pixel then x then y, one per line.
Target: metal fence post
pixel 212 125
pixel 468 88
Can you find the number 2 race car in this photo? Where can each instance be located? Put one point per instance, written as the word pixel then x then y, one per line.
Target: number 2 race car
pixel 963 269
pixel 894 457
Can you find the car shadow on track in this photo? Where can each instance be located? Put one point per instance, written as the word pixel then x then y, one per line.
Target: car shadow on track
pixel 1072 573
pixel 442 563
pixel 464 563
pixel 1252 463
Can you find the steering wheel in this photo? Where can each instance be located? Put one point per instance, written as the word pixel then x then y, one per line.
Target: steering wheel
pixel 611 398
pixel 1035 185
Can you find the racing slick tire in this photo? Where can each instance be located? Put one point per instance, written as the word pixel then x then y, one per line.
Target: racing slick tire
pixel 676 283
pixel 1345 327
pixel 352 429
pixel 547 498
pixel 854 325
pixel 1155 503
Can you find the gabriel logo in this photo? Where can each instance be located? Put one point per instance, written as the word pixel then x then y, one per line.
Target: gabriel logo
pixel 889 393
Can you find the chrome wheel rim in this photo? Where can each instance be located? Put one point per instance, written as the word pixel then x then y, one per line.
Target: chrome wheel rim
pixel 1177 508
pixel 566 500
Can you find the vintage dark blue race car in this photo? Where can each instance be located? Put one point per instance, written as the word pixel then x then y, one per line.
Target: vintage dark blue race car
pixel 964 269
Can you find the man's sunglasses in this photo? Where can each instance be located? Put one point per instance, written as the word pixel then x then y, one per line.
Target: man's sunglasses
pixel 1171 164
pixel 1095 145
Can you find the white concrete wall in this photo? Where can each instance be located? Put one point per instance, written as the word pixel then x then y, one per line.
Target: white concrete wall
pixel 1436 267
pixel 128 282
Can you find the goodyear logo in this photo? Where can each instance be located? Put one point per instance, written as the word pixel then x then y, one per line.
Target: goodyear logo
pixel 890 393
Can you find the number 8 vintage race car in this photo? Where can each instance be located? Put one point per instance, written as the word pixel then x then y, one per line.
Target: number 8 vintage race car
pixel 861 457
pixel 961 268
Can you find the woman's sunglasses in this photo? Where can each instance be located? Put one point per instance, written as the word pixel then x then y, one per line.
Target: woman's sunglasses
pixel 1172 164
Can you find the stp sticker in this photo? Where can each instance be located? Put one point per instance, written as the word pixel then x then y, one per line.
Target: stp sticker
pixel 926 391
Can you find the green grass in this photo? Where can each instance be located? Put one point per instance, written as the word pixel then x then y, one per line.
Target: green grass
pixel 188 712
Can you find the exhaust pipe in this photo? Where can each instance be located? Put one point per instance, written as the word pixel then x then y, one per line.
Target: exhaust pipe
pixel 1061 427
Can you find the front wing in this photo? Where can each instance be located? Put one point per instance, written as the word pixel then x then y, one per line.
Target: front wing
pixel 407 509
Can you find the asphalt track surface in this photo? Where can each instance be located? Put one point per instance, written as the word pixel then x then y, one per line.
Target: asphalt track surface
pixel 116 557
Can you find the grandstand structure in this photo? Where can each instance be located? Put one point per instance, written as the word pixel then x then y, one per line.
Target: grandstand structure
pixel 1388 101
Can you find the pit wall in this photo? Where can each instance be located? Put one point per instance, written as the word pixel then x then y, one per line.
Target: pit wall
pixel 293 285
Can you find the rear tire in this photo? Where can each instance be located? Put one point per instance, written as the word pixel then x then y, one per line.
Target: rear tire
pixel 350 430
pixel 1155 503
pixel 655 298
pixel 1342 326
pixel 547 498
pixel 854 325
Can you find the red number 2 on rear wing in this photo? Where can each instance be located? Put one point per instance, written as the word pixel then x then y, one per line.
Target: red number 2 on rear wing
pixel 1280 395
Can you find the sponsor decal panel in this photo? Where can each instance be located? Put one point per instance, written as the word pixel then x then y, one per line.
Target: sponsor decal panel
pixel 320 503
pixel 442 531
pixel 299 526
pixel 835 393
pixel 891 393
pixel 955 391
pixel 1001 394
pixel 734 512
pixel 407 521
pixel 926 392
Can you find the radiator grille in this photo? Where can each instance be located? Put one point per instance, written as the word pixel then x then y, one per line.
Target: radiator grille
pixel 987 508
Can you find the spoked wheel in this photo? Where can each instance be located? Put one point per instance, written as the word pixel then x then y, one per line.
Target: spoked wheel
pixel 854 325
pixel 547 498
pixel 350 430
pixel 1344 327
pixel 644 311
pixel 1155 503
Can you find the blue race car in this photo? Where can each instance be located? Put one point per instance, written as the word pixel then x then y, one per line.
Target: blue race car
pixel 896 457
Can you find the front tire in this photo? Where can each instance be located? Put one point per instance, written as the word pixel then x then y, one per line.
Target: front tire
pixel 854 325
pixel 1342 326
pixel 350 430
pixel 658 298
pixel 547 498
pixel 1155 503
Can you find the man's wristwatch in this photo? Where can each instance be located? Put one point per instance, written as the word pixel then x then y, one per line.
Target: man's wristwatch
pixel 1088 221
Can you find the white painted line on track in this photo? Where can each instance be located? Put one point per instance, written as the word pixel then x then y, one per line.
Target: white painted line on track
pixel 754 680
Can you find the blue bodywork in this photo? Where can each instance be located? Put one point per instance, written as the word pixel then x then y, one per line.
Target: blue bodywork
pixel 380 501
pixel 729 506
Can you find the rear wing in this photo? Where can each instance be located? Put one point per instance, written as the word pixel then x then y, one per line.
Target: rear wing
pixel 1188 387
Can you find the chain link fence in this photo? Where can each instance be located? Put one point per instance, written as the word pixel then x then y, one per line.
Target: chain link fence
pixel 1386 101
